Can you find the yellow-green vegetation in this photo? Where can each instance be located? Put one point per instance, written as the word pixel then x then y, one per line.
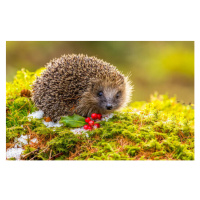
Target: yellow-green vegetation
pixel 161 129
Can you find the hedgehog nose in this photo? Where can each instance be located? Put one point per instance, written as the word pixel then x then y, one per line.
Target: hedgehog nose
pixel 109 106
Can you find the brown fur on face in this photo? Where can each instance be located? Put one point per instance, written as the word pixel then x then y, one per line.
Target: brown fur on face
pixel 70 84
pixel 113 94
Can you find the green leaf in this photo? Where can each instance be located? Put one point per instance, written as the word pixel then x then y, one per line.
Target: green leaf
pixel 73 121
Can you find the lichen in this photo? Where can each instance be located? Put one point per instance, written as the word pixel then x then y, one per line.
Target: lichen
pixel 161 129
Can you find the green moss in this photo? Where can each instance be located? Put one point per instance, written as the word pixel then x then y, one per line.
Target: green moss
pixel 28 149
pixel 161 129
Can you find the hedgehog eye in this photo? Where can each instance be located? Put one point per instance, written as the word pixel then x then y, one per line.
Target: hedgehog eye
pixel 100 94
pixel 118 95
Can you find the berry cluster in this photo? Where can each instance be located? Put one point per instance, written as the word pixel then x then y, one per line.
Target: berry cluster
pixel 91 123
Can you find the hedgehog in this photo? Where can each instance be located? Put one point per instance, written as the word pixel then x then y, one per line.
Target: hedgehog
pixel 78 84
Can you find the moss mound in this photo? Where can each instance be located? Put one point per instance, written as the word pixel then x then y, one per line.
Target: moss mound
pixel 161 129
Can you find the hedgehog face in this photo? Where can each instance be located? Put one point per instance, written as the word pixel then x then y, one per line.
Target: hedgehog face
pixel 102 96
pixel 108 96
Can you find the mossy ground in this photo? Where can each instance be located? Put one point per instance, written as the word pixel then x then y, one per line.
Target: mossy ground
pixel 161 129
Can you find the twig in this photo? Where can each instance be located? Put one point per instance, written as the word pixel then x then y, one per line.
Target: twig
pixel 50 154
pixel 29 134
pixel 39 153
pixel 22 106
pixel 56 156
pixel 30 153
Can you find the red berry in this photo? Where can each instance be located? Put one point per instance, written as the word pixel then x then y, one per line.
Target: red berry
pixel 87 119
pixel 89 128
pixel 91 123
pixel 94 116
pixel 97 125
pixel 99 116
pixel 86 127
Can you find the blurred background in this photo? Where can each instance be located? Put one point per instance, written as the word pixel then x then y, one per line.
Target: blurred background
pixel 166 67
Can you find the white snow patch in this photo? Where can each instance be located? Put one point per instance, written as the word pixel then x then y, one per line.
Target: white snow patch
pixel 16 151
pixel 22 140
pixel 106 117
pixel 37 114
pixel 52 124
pixel 34 140
pixel 78 131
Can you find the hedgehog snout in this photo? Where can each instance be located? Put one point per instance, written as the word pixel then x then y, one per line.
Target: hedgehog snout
pixel 109 106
